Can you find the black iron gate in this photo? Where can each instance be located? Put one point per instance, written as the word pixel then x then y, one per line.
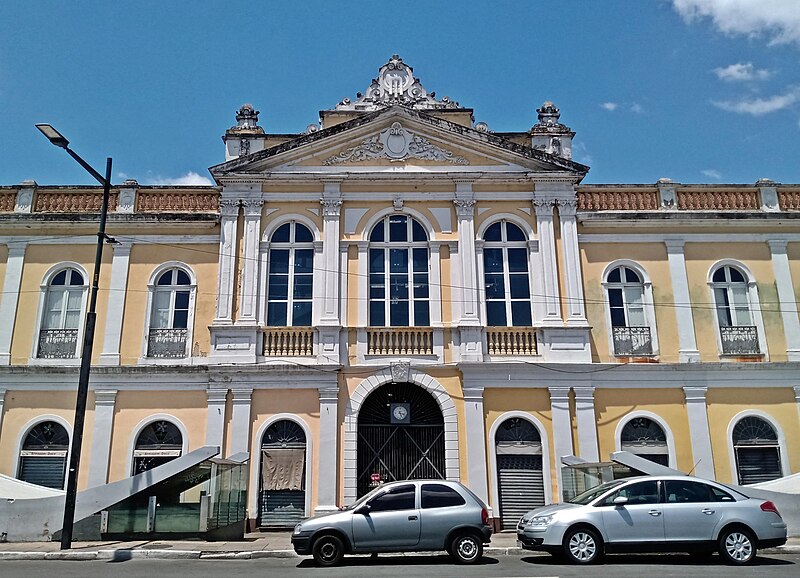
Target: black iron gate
pixel 400 436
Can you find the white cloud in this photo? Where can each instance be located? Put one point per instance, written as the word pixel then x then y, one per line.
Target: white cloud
pixel 760 106
pixel 778 20
pixel 636 108
pixel 609 106
pixel 741 71
pixel 712 174
pixel 189 179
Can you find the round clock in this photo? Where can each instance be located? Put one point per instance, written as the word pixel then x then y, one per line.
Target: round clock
pixel 400 413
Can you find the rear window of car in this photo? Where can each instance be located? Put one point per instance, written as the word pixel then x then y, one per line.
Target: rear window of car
pixel 440 496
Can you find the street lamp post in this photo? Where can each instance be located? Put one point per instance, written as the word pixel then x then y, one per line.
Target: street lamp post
pixel 88 337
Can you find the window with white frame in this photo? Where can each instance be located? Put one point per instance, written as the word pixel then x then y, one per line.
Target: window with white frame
pixel 169 314
pixel 626 307
pixel 738 332
pixel 43 456
pixel 290 280
pixel 158 443
pixel 757 451
pixel 505 272
pixel 63 306
pixel 643 437
pixel 399 294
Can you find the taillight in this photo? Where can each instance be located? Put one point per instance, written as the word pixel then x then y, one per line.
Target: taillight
pixel 769 507
pixel 485 515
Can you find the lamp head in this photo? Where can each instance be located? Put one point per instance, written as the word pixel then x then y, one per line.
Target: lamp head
pixel 53 135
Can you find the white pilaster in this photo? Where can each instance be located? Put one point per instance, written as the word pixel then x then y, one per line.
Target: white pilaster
pixel 562 428
pixel 2 403
pixel 796 389
pixel 229 213
pixel 587 424
pixel 786 297
pixel 248 292
pixel 215 420
pixel 363 283
pixel 435 286
pixel 687 344
pixel 699 432
pixel 328 449
pixel 116 304
pixel 576 313
pixel 465 211
pixel 543 208
pixel 9 298
pixel 476 442
pixel 240 420
pixel 104 401
pixel 330 321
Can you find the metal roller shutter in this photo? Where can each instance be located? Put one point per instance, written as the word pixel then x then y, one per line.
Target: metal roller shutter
pixel 44 471
pixel 521 486
pixel 758 464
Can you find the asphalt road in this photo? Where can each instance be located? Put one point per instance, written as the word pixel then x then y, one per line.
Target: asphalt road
pixel 406 566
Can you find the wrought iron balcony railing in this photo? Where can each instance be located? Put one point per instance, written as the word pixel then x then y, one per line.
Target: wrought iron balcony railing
pixel 57 344
pixel 511 340
pixel 399 341
pixel 167 343
pixel 288 341
pixel 632 341
pixel 739 340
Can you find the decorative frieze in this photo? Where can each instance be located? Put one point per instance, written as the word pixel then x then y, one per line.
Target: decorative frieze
pixel 177 201
pixel 73 202
pixel 735 200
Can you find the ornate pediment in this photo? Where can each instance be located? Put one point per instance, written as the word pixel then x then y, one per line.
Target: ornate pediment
pixel 395 143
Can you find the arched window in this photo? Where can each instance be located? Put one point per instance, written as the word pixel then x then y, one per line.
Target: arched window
pixel 626 304
pixel 291 275
pixel 398 259
pixel 518 447
pixel 738 333
pixel 758 457
pixel 157 444
pixel 282 500
pixel 63 305
pixel 170 314
pixel 43 457
pixel 505 271
pixel 645 438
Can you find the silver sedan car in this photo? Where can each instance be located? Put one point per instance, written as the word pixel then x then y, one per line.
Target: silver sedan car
pixel 408 516
pixel 655 514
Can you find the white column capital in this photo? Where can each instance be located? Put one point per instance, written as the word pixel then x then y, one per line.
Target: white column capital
pixel 216 395
pixel 543 207
pixel 674 245
pixel 252 208
pixel 328 394
pixel 465 208
pixel 241 395
pixel 567 208
pixel 584 393
pixel 331 207
pixel 473 393
pixel 16 248
pixel 796 389
pixel 695 394
pixel 105 397
pixel 777 245
pixel 229 208
pixel 559 394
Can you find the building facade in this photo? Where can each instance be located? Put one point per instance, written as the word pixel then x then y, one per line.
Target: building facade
pixel 402 292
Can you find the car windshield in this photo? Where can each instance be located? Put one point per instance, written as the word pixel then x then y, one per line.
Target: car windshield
pixel 597 491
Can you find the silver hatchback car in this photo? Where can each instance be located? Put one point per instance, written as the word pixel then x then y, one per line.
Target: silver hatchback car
pixel 408 516
pixel 655 514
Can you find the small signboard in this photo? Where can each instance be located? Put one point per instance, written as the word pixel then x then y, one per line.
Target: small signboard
pixel 375 480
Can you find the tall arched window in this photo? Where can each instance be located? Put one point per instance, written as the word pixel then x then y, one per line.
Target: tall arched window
pixel 398 260
pixel 520 479
pixel 291 275
pixel 43 457
pixel 63 305
pixel 738 333
pixel 170 314
pixel 626 303
pixel 505 271
pixel 758 456
pixel 282 485
pixel 645 438
pixel 157 444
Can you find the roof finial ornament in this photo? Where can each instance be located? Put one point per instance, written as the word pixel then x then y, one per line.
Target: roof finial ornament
pixel 246 117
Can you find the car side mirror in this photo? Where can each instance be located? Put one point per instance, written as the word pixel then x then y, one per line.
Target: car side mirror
pixel 620 501
pixel 363 510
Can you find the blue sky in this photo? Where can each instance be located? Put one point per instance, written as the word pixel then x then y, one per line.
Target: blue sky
pixel 694 90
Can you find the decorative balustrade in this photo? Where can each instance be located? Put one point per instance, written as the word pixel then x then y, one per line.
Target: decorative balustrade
pixel 289 341
pixel 617 200
pixel 167 343
pixel 399 341
pixel 731 200
pixel 789 200
pixel 57 344
pixel 632 341
pixel 72 202
pixel 511 340
pixel 7 202
pixel 739 340
pixel 176 201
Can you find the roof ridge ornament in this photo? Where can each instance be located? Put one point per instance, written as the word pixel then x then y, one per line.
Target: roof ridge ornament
pixel 396 84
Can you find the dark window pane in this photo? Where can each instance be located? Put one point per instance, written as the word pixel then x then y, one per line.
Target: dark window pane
pixel 493 260
pixel 721 495
pixel 420 260
pixel 521 313
pixel 398 260
pixel 736 276
pixel 303 261
pixel 418 232
pixel 276 314
pixel 682 492
pixel 182 300
pixel 493 233
pixel 76 278
pixel 439 496
pixel 281 234
pixel 303 286
pixel 520 289
pixel 496 313
pixel 631 276
pixel 377 314
pixel 398 229
pixel 514 233
pixel 495 286
pixel 615 297
pixel 420 286
pixel 278 287
pixel 376 287
pixel 398 287
pixel 60 279
pixel 165 278
pixel 400 498
pixel 302 234
pixel 618 317
pixel 641 493
pixel 301 314
pixel 376 263
pixel 719 275
pixel 376 236
pixel 181 319
pixel 518 260
pixel 614 276
pixel 398 314
pixel 421 314
pixel 279 261
pixel 183 278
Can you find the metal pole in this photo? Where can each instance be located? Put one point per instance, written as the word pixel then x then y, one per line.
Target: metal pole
pixel 86 364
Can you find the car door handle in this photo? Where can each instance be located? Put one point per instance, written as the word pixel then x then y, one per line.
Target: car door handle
pixel 707 511
pixel 412 517
pixel 655 513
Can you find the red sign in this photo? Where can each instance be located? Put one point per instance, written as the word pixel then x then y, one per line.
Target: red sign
pixel 375 477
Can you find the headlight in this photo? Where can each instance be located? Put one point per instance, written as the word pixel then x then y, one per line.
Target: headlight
pixel 540 520
pixel 297 529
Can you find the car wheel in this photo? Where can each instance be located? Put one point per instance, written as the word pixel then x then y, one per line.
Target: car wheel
pixel 466 548
pixel 328 551
pixel 736 546
pixel 582 546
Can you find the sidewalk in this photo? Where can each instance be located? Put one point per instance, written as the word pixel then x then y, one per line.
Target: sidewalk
pixel 255 545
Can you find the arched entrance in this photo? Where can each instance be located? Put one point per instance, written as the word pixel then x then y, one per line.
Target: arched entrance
pixel 400 436
pixel 157 444
pixel 43 457
pixel 520 479
pixel 643 437
pixel 282 494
